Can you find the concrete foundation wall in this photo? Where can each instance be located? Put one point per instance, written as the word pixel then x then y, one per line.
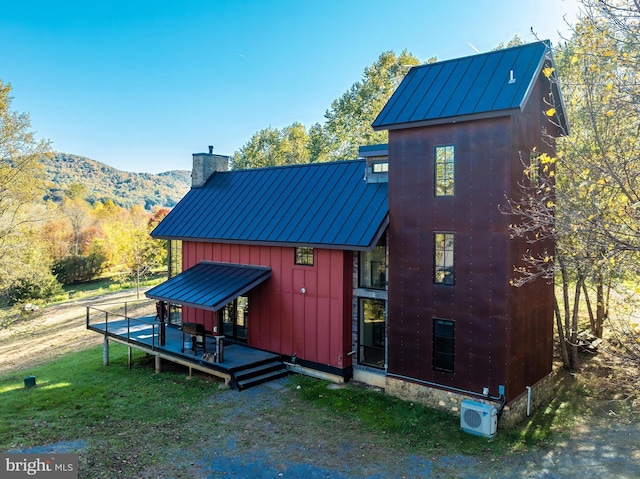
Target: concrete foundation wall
pixel 450 401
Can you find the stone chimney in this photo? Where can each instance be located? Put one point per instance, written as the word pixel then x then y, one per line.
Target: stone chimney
pixel 206 164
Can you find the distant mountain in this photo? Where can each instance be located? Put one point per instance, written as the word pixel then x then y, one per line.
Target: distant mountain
pixel 105 182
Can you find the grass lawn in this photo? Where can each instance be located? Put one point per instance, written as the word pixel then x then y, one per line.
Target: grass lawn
pixel 132 420
pixel 119 411
pixel 108 284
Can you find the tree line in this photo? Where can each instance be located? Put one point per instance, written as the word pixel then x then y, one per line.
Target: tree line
pixel 46 244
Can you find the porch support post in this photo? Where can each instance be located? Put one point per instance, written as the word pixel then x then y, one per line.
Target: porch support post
pixel 105 352
pixel 158 364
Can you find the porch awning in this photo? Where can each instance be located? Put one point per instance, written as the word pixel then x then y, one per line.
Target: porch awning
pixel 209 285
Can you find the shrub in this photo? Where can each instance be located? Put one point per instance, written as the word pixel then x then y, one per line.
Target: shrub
pixel 79 268
pixel 32 286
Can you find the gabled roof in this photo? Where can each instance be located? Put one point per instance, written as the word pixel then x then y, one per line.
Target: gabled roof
pixel 324 204
pixel 209 285
pixel 479 86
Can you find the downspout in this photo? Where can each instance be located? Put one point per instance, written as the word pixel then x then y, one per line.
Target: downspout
pixel 528 400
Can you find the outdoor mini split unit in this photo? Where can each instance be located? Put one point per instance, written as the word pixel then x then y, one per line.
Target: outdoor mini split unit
pixel 479 419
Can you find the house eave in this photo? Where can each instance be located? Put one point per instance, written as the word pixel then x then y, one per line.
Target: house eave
pixel 344 247
pixel 449 120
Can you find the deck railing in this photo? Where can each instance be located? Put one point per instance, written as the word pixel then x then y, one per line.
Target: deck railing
pixel 99 320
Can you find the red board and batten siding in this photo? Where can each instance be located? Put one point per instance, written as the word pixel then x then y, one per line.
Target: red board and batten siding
pixel 314 325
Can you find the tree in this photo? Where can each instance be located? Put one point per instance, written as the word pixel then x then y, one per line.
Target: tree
pixel 593 214
pixel 349 119
pixel 76 190
pixel 273 147
pixel 81 268
pixel 20 171
pixel 137 251
pixel 20 188
pixel 607 55
pixel 78 211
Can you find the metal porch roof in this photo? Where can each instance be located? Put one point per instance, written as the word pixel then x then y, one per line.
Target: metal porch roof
pixel 322 204
pixel 209 285
pixel 488 84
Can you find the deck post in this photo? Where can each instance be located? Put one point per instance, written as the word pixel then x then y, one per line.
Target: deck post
pixel 219 349
pixel 105 352
pixel 158 364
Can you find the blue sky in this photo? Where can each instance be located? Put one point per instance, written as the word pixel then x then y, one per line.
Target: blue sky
pixel 141 85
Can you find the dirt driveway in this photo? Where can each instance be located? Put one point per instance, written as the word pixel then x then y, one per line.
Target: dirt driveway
pixel 54 331
pixel 255 447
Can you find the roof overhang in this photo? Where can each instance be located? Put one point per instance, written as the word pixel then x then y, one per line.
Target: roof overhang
pixel 449 119
pixel 343 247
pixel 209 285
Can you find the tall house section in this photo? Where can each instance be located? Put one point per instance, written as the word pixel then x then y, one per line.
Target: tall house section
pixel 459 132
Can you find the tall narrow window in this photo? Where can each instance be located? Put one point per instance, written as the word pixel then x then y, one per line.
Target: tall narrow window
pixel 373 266
pixel 175 258
pixel 372 332
pixel 304 256
pixel 533 171
pixel 443 345
pixel 443 258
pixel 444 170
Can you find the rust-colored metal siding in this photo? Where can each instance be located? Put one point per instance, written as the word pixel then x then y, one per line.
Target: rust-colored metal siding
pixel 478 300
pixel 503 335
pixel 314 325
pixel 531 306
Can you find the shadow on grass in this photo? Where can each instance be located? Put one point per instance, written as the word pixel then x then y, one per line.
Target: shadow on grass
pixel 547 423
pixel 417 427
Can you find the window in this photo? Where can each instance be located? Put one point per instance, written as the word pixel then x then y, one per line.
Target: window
pixel 380 167
pixel 444 170
pixel 304 256
pixel 533 171
pixel 175 314
pixel 443 345
pixel 373 266
pixel 443 258
pixel 235 316
pixel 372 332
pixel 175 258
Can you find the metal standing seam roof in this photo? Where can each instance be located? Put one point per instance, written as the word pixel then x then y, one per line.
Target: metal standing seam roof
pixel 469 86
pixel 209 285
pixel 322 204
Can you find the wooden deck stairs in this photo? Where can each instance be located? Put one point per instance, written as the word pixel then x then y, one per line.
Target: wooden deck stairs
pixel 257 373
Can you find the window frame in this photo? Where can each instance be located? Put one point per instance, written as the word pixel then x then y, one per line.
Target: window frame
pixel 533 170
pixel 449 173
pixel 304 258
pixel 444 346
pixel 362 270
pixel 378 334
pixel 440 265
pixel 174 258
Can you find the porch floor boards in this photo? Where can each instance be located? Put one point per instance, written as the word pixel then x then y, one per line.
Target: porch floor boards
pixel 142 334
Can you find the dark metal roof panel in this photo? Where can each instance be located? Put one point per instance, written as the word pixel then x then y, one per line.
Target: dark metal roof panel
pixel 209 285
pixel 319 204
pixel 472 85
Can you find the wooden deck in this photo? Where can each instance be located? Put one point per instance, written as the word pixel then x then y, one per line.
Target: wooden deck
pixel 241 367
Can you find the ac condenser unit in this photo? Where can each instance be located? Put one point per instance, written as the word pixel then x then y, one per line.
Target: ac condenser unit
pixel 479 419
